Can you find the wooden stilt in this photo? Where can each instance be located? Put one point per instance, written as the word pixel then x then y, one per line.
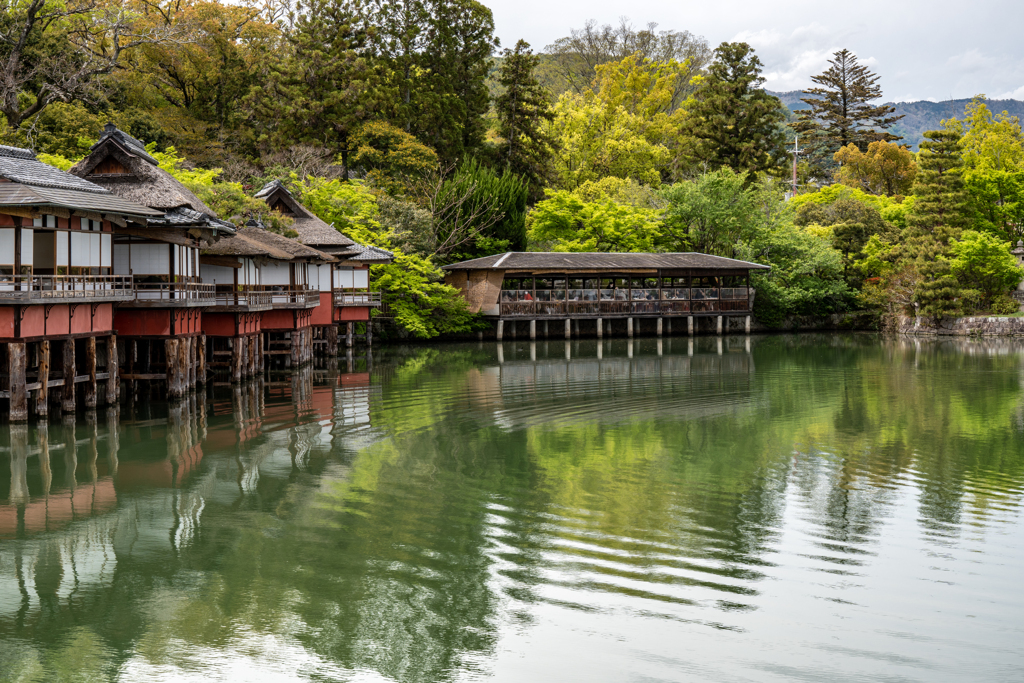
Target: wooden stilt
pixel 719 325
pixel 568 328
pixel 746 324
pixel 68 394
pixel 16 362
pixel 254 361
pixel 533 330
pixel 113 381
pixel 349 331
pixel 43 394
pixel 369 332
pixel 201 360
pixel 501 329
pixel 236 359
pixel 629 327
pixel 331 333
pixel 89 392
pixel 174 381
pixel 689 325
pixel 260 348
pixel 191 362
pixel 600 325
pixel 659 327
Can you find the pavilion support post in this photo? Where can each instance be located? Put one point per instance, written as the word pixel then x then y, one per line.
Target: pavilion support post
pixel 331 333
pixel 576 327
pixel 718 326
pixel 659 327
pixel 89 394
pixel 349 332
pixel 513 326
pixel 533 330
pixel 254 352
pixel 174 381
pixel 183 364
pixel 545 329
pixel 43 394
pixel 263 357
pixel 629 327
pixel 669 321
pixel 746 324
pixel 689 325
pixel 201 360
pixel 369 332
pixel 193 353
pixel 112 370
pixel 16 366
pixel 568 328
pixel 68 395
pixel 600 328
pixel 501 329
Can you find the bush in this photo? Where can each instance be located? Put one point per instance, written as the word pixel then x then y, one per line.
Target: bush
pixel 1005 305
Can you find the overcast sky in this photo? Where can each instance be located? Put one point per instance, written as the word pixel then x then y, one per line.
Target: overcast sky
pixel 922 50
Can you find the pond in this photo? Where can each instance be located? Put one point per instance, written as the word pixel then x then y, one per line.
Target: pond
pixel 777 508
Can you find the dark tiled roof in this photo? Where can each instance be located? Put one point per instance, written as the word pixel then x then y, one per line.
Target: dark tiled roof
pixel 21 166
pixel 371 254
pixel 583 261
pixel 16 194
pixel 183 216
pixel 131 145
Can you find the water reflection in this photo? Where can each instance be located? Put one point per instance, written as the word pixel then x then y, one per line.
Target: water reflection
pixel 730 508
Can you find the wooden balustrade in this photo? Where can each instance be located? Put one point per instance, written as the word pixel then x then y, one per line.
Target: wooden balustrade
pixel 73 287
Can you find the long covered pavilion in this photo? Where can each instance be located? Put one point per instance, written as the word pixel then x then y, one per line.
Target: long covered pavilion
pixel 546 286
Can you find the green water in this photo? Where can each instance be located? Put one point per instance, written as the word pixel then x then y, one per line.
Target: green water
pixel 813 508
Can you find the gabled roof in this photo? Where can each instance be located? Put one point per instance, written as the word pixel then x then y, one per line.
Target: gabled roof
pixel 145 182
pixel 591 261
pixel 242 243
pixel 31 183
pixel 295 249
pixel 370 254
pixel 312 231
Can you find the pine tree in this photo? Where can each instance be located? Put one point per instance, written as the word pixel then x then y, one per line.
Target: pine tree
pixel 841 112
pixel 939 215
pixel 327 87
pixel 733 121
pixel 522 109
pixel 399 43
pixel 453 86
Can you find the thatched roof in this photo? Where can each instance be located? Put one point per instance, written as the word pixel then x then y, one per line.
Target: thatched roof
pixel 312 231
pixel 601 261
pixel 295 249
pixel 29 184
pixel 138 178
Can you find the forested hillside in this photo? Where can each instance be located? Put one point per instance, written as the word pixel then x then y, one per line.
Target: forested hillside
pixel 404 124
pixel 918 117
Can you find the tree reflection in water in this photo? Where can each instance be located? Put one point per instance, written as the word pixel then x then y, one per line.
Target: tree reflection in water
pixel 426 521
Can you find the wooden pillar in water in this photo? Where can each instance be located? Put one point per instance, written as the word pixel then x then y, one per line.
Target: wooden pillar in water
pixel 545 329
pixel 600 328
pixel 89 395
pixel 113 382
pixel 193 350
pixel 68 395
pixel 173 370
pixel 43 395
pixel 201 360
pixel 689 325
pixel 533 330
pixel 254 356
pixel 568 328
pixel 331 333
pixel 659 327
pixel 718 325
pixel 263 357
pixel 349 331
pixel 236 359
pixel 16 362
pixel 369 332
pixel 629 327
pixel 746 325
pixel 501 329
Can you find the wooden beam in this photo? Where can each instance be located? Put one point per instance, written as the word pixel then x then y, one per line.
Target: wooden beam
pixel 201 360
pixel 113 383
pixel 173 369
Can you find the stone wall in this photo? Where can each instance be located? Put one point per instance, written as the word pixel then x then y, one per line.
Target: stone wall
pixel 975 326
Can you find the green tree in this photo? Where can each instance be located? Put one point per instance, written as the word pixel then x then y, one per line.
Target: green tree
pixel 454 63
pixel 612 215
pixel 399 45
pixel 710 214
pixel 522 109
pixel 392 159
pixel 841 110
pixel 884 169
pixel 984 264
pixel 733 121
pixel 323 91
pixel 938 217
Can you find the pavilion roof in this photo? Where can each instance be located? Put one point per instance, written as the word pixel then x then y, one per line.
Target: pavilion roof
pixel 598 261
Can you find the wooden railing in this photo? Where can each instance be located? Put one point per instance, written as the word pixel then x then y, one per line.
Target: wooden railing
pixel 701 300
pixel 243 296
pixel 50 287
pixel 191 292
pixel 344 297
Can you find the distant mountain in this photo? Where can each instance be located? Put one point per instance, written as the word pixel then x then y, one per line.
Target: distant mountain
pixel 918 116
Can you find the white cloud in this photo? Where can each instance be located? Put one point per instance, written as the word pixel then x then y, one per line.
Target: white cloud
pixel 1017 94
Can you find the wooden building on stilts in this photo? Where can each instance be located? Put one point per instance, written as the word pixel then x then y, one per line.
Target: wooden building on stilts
pixel 162 325
pixel 344 283
pixel 58 287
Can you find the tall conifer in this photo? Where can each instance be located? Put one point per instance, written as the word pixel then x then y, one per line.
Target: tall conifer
pixel 938 217
pixel 522 109
pixel 734 122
